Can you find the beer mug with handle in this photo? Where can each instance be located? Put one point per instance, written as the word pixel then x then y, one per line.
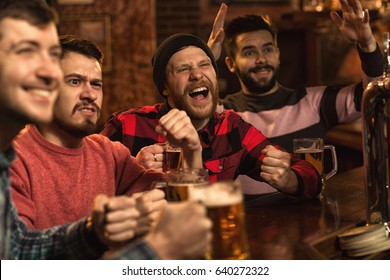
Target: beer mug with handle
pixel 225 207
pixel 178 182
pixel 173 157
pixel 312 150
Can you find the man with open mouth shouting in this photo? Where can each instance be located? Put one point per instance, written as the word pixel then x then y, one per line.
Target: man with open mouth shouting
pixel 185 74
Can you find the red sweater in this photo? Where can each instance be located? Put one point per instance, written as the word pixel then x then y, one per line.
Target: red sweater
pixel 52 185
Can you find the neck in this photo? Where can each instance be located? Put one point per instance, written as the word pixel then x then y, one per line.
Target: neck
pixel 200 124
pixel 247 91
pixel 59 137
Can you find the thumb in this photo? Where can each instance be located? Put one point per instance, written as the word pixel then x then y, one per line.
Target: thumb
pixel 336 18
pixel 268 148
pixel 98 212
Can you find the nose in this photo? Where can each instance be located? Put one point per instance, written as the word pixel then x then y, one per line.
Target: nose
pixel 260 59
pixel 50 72
pixel 88 93
pixel 196 73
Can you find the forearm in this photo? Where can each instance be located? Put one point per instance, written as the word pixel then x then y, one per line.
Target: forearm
pixel 292 187
pixel 192 158
pixel 372 62
pixel 63 242
pixel 309 181
pixel 136 250
pixel 369 46
pixel 81 241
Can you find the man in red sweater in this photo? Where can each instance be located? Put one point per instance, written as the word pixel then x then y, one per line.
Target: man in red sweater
pixel 63 166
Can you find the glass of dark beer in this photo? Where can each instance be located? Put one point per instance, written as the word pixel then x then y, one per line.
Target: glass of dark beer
pixel 173 158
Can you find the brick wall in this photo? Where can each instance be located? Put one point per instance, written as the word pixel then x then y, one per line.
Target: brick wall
pixel 173 16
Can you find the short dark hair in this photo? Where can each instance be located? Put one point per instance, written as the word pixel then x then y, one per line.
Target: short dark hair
pixel 245 24
pixel 74 43
pixel 36 12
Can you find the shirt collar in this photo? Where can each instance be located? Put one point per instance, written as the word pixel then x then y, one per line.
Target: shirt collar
pixel 206 134
pixel 165 108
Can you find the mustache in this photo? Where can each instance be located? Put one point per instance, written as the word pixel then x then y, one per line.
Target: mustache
pixel 84 104
pixel 193 86
pixel 262 67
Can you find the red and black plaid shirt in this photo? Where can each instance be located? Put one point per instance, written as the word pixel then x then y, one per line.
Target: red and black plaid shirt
pixel 230 145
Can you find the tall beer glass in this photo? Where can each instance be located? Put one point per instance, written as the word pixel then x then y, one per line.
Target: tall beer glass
pixel 179 181
pixel 224 203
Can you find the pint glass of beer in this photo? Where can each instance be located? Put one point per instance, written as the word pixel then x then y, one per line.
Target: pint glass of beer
pixel 179 181
pixel 224 203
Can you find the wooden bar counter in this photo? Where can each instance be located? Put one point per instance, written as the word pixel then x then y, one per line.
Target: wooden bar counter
pixel 282 230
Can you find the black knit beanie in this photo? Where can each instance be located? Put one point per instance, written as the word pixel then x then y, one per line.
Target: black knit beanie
pixel 168 48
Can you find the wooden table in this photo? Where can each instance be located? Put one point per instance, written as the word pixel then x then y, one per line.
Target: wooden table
pixel 280 229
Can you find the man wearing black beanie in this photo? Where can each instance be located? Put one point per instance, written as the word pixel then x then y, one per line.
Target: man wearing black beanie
pixel 184 72
pixel 170 46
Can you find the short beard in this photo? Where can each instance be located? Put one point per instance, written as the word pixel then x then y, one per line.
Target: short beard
pixel 196 116
pixel 77 131
pixel 257 87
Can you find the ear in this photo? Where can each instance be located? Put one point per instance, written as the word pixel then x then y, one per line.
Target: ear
pixel 230 64
pixel 165 91
pixel 278 52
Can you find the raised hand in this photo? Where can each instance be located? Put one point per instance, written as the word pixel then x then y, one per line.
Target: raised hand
pixel 179 131
pixel 276 170
pixel 217 34
pixel 355 24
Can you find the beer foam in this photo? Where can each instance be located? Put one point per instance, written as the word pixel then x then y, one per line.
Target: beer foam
pixel 173 149
pixel 307 150
pixel 215 196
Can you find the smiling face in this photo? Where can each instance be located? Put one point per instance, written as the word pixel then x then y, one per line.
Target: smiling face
pixel 77 108
pixel 256 62
pixel 191 83
pixel 29 71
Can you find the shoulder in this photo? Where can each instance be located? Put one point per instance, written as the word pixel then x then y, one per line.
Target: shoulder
pixel 24 136
pixel 29 142
pixel 103 142
pixel 230 118
pixel 233 101
pixel 145 110
pixel 102 145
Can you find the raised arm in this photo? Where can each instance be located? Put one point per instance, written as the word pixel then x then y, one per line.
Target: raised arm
pixel 179 131
pixel 217 33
